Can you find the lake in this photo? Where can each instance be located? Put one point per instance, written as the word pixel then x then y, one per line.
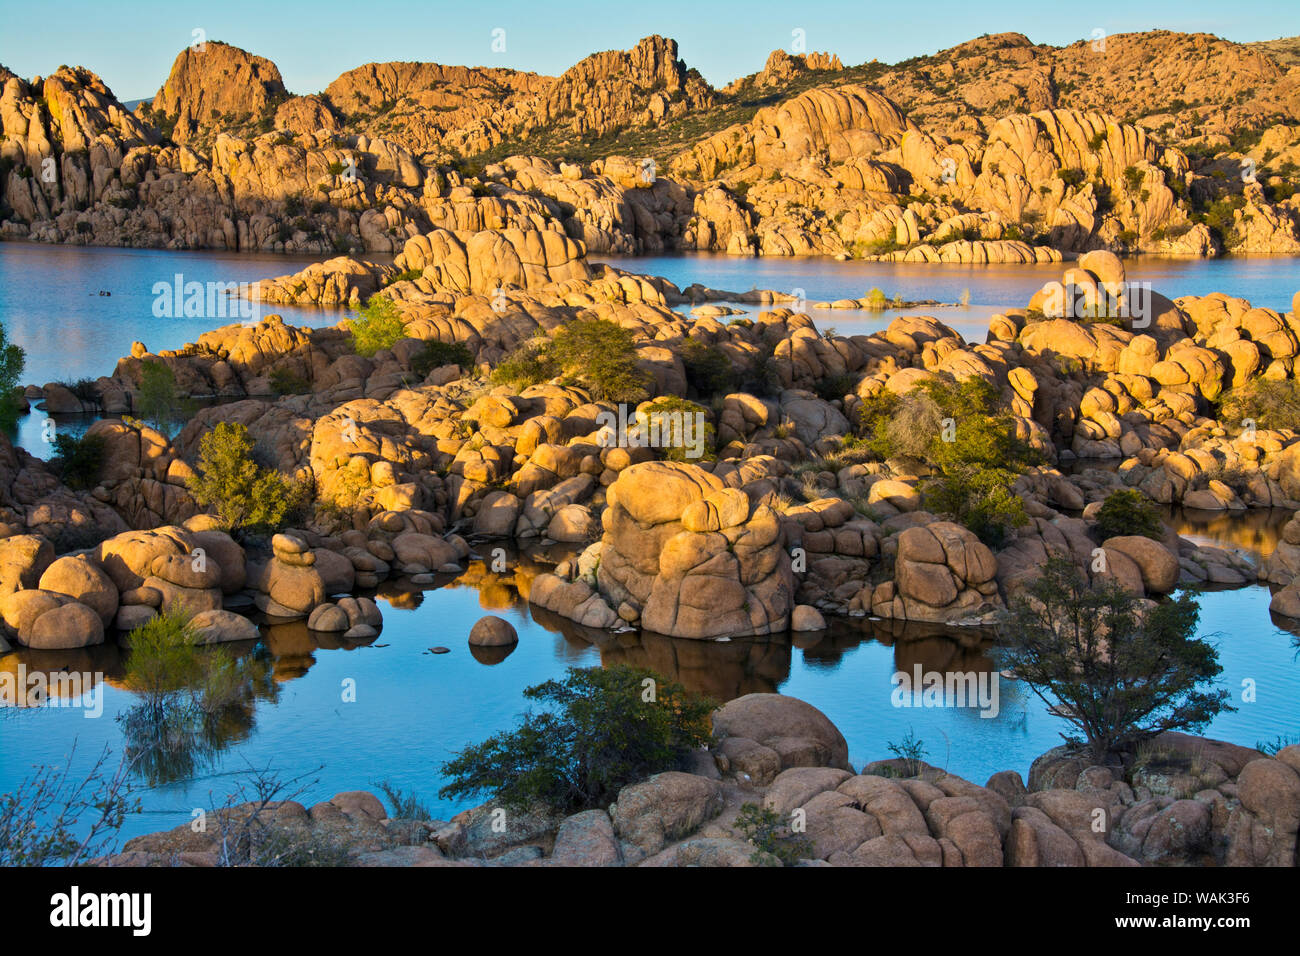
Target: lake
pixel 414 709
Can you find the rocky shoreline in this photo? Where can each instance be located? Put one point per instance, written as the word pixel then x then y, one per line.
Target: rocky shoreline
pixel 1189 802
pixel 405 472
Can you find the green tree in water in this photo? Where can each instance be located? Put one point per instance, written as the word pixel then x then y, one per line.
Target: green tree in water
pixel 1117 671
pixel 12 361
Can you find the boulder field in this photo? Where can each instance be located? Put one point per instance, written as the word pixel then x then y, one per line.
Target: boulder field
pixel 993 151
pixel 785 519
pixel 1184 801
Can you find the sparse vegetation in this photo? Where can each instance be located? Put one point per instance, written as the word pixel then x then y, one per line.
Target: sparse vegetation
pixel 603 729
pixel 1129 512
pixel 378 326
pixel 1118 672
pixel 775 844
pixel 244 495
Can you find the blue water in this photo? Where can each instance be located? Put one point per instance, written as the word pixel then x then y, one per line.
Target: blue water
pixel 414 710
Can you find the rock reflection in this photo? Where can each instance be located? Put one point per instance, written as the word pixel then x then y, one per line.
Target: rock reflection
pixel 1255 532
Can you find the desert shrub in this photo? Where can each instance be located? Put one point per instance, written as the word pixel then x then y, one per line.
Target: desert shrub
pixel 526 365
pixel 285 381
pixel 774 842
pixel 602 729
pixel 409 275
pixel 436 354
pixel 406 806
pixel 81 459
pixel 1123 673
pixel 1129 512
pixel 683 429
pixel 959 430
pixel 980 499
pixel 244 495
pixel 12 361
pixel 55 819
pixel 601 356
pixel 911 751
pixel 1265 402
pixel 378 326
pixel 708 369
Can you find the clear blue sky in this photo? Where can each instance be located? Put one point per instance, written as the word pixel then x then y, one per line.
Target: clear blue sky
pixel 132 45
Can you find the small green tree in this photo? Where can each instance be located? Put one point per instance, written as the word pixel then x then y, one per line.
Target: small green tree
pixel 12 361
pixel 157 401
pixel 605 728
pixel 191 700
pixel 81 459
pixel 244 495
pixel 774 840
pixel 378 326
pixel 436 354
pixel 1129 512
pixel 601 356
pixel 1123 673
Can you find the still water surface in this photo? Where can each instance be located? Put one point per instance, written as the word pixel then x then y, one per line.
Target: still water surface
pixel 413 709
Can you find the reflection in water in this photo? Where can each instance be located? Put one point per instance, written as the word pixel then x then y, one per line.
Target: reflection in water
pixel 1255 533
pixel 414 709
pixel 725 670
pixel 178 727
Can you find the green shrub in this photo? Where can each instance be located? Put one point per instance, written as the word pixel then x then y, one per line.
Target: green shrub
pixel 684 431
pixel 245 496
pixel 1265 402
pixel 601 356
pixel 436 354
pixel 157 401
pixel 1129 512
pixel 1120 673
pixel 406 806
pixel 708 369
pixel 527 365
pixel 603 729
pixel 81 459
pixel 774 842
pixel 980 499
pixel 959 430
pixel 410 275
pixel 911 751
pixel 285 381
pixel 378 326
